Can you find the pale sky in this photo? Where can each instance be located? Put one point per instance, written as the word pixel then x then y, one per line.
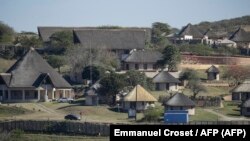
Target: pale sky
pixel 26 15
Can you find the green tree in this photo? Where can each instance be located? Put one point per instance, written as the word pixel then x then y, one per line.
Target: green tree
pixel 6 33
pixel 112 84
pixel 93 73
pixel 28 41
pixel 134 78
pixel 171 58
pixel 153 114
pixel 56 61
pixel 196 87
pixel 60 42
pixel 159 32
pixel 194 83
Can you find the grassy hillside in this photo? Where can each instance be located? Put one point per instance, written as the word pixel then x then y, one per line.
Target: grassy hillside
pixel 5 64
pixel 6 111
pixel 227 25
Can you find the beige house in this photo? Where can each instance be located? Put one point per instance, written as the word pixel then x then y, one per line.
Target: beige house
pixel 180 102
pixel 138 99
pixel 31 78
pixel 142 60
pixel 165 81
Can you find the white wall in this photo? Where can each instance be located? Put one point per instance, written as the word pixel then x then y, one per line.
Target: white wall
pixel 132 66
pixel 172 86
pixel 139 105
pixel 188 37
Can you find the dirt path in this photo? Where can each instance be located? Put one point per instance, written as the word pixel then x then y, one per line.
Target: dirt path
pixel 224 117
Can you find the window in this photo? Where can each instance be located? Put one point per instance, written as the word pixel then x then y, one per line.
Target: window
pixel 157 86
pixel 154 66
pixel 167 86
pixel 126 51
pixel 127 66
pixel 136 66
pixel 248 109
pixel 145 66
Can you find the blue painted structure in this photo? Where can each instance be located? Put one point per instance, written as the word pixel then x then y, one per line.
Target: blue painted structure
pixel 176 116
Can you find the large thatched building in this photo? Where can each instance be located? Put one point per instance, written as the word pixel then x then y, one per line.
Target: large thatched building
pixel 165 81
pixel 138 99
pixel 31 78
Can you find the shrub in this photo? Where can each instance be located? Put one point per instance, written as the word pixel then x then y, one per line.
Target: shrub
pixel 153 114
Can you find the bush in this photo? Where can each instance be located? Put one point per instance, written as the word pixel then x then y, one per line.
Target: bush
pixel 153 114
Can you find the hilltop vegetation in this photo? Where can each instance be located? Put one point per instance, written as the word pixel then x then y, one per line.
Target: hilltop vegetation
pixel 227 25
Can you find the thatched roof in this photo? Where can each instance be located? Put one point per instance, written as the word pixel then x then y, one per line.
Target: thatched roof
pixel 165 77
pixel 240 35
pixel 143 56
pixel 246 104
pixel 179 99
pixel 213 69
pixel 30 71
pixel 190 30
pixel 111 38
pixel 139 94
pixel 243 87
pixel 46 32
pixel 215 34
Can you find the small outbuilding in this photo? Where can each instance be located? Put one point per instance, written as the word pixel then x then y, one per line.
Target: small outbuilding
pixel 138 99
pixel 245 108
pixel 242 91
pixel 213 73
pixel 180 102
pixel 165 81
pixel 91 95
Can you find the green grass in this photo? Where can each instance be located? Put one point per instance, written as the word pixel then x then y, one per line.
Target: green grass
pixel 6 111
pixel 5 64
pixel 230 109
pixel 43 137
pixel 202 115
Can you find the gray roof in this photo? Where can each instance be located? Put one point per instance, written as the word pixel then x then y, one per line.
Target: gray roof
pixel 213 69
pixel 31 70
pixel 179 99
pixel 111 38
pixel 165 77
pixel 216 34
pixel 246 104
pixel 46 32
pixel 190 30
pixel 143 56
pixel 243 87
pixel 240 35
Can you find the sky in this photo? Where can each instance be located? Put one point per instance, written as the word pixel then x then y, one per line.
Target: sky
pixel 26 15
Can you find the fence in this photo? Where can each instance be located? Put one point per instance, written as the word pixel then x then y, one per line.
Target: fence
pixel 86 128
pixel 65 127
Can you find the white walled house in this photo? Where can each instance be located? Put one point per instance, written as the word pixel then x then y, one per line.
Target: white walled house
pixel 165 81
pixel 142 60
pixel 31 78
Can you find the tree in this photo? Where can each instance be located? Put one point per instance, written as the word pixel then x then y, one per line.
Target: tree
pixel 237 73
pixel 56 61
pixel 134 78
pixel 26 41
pixel 196 87
pixel 159 31
pixel 111 85
pixel 171 57
pixel 189 74
pixel 194 83
pixel 60 42
pixel 79 57
pixel 93 73
pixel 6 33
